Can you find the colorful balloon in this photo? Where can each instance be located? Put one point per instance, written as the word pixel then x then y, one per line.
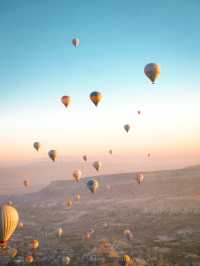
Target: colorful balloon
pixel 66 100
pixel 125 260
pixel 29 259
pixel 93 185
pixel 76 42
pixel 152 71
pixel 87 236
pixel 96 97
pixel 9 219
pixel 35 244
pixel 13 252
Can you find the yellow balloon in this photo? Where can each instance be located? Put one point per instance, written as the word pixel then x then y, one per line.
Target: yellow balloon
pixel 125 260
pixel 35 244
pixel 9 219
pixel 69 203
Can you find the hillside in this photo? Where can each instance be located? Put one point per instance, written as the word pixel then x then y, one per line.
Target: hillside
pixel 163 214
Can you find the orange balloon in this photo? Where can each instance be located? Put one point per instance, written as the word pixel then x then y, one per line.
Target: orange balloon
pixel 66 100
pixel 29 259
pixel 96 97
pixel 35 244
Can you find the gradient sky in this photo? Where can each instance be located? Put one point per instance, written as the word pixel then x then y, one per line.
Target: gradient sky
pixel 118 38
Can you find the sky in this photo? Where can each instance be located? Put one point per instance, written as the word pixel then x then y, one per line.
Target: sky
pixel 38 65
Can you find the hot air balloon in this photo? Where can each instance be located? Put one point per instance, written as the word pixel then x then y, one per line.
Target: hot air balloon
pixel 87 236
pixel 148 154
pixel 108 187
pixel 139 178
pixel 52 155
pixel 125 260
pixel 76 42
pixel 66 260
pixel 9 220
pixel 77 175
pixel 93 185
pixel 13 252
pixel 66 100
pixel 29 259
pixel 26 183
pixel 35 244
pixel 97 165
pixel 77 197
pixel 69 203
pixel 110 152
pixel 36 146
pixel 105 225
pixel 139 112
pixel 85 158
pixel 96 97
pixel 152 71
pixel 20 225
pixel 127 127
pixel 128 234
pixel 59 232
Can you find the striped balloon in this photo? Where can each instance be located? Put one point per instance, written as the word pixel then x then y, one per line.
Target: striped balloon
pixel 9 220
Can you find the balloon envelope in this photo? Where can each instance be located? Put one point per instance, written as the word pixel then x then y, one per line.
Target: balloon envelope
pixel 85 158
pixel 9 219
pixel 66 100
pixel 93 185
pixel 139 178
pixel 97 165
pixel 52 155
pixel 29 259
pixel 127 127
pixel 125 260
pixel 26 183
pixel 152 71
pixel 69 203
pixel 77 175
pixel 76 42
pixel 35 244
pixel 59 232
pixel 66 260
pixel 96 97
pixel 36 145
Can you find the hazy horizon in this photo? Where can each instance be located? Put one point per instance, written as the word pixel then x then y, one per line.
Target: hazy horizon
pixel 39 65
